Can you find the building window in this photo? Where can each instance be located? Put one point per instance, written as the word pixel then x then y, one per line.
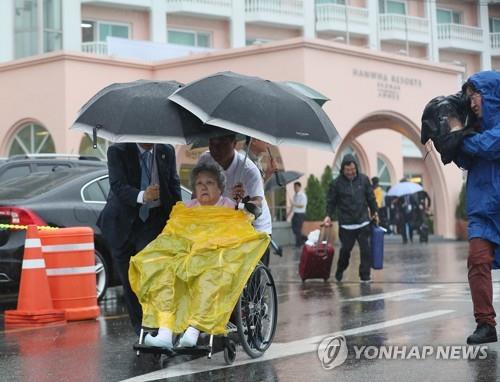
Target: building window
pixel 448 16
pixel 52 25
pixel 32 139
pixel 409 148
pixel 26 28
pixel 93 31
pixel 87 149
pixel 383 173
pixel 190 38
pixel 494 25
pixel 392 6
pixel 37 27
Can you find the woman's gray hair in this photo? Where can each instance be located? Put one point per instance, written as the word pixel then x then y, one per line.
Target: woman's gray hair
pixel 213 169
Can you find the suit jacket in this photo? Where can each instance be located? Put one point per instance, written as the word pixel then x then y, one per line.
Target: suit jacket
pixel 122 210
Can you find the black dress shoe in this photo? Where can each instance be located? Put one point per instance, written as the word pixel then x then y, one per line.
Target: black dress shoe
pixel 484 333
pixel 338 276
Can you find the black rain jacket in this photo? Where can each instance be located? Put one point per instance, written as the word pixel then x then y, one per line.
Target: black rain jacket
pixel 351 198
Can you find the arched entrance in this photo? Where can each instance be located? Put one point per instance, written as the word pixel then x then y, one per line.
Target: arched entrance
pixel 443 211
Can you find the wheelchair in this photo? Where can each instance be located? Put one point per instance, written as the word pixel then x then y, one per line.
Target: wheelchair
pixel 252 324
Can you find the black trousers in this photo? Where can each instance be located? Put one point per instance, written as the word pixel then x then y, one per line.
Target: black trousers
pixel 406 230
pixel 348 238
pixel 297 222
pixel 142 234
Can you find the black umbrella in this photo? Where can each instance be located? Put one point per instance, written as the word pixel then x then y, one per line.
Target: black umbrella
pixel 258 108
pixel 308 91
pixel 281 179
pixel 138 111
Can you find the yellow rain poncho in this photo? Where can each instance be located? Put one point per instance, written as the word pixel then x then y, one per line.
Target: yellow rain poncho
pixel 193 273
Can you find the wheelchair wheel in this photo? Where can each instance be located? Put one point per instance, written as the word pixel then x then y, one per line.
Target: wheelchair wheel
pixel 257 312
pixel 229 351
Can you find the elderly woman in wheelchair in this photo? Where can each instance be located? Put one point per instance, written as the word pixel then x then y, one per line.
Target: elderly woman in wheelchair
pixel 194 274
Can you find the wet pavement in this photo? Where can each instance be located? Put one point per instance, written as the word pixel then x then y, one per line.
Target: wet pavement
pixel 421 298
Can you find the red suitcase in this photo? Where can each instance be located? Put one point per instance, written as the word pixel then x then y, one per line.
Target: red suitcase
pixel 316 260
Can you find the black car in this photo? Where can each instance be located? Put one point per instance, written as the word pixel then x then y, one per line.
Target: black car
pixel 64 197
pixel 23 165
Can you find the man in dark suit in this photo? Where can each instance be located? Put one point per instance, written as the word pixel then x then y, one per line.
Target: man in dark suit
pixel 144 187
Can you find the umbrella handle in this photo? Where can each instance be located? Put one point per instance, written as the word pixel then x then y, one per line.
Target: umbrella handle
pixel 278 180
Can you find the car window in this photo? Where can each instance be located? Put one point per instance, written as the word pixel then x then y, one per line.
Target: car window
pixel 15 172
pixel 35 184
pixel 93 193
pixel 104 184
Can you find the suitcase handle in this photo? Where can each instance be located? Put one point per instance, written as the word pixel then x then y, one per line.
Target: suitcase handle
pixel 324 239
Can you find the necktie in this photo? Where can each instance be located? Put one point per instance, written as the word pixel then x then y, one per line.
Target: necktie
pixel 145 169
pixel 145 181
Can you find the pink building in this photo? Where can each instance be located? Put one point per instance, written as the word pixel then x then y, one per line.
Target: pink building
pixel 378 61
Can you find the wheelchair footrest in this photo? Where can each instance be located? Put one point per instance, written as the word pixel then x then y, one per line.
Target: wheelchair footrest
pixel 197 350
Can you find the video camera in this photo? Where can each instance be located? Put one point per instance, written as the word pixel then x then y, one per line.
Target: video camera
pixel 446 120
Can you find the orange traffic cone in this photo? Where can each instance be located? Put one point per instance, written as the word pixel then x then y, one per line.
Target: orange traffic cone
pixel 34 303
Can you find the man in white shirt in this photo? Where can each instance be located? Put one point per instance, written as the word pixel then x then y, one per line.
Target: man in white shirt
pixel 299 204
pixel 242 178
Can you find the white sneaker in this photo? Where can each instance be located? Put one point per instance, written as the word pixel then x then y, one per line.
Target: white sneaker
pixel 158 341
pixel 367 281
pixel 189 338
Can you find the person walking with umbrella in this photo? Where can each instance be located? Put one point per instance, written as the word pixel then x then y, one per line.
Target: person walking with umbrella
pixel 405 206
pixel 408 209
pixel 351 194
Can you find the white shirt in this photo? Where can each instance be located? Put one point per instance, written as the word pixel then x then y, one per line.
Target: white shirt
pixel 299 199
pixel 355 226
pixel 249 175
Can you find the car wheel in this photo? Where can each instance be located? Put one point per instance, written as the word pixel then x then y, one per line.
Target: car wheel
pixel 102 274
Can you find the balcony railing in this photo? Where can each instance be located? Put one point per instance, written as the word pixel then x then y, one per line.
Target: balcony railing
pixel 95 47
pixel 215 3
pixel 216 8
pixel 402 23
pixel 275 11
pixel 460 37
pixel 495 40
pixel 337 17
pixel 460 32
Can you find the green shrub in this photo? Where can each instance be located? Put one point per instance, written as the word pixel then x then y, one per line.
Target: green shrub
pixel 461 210
pixel 316 203
pixel 326 179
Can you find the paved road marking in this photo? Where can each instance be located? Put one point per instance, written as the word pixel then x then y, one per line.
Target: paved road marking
pixel 385 296
pixel 277 350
